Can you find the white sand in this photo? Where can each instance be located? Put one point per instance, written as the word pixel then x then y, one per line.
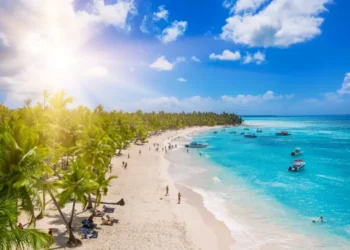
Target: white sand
pixel 149 219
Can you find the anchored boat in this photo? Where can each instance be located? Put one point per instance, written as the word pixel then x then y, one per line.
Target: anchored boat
pixel 249 135
pixel 284 133
pixel 296 152
pixel 297 165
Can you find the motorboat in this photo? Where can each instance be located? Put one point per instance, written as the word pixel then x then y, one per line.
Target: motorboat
pixel 233 132
pixel 195 145
pixel 249 135
pixel 246 129
pixel 259 130
pixel 215 132
pixel 296 152
pixel 296 165
pixel 284 133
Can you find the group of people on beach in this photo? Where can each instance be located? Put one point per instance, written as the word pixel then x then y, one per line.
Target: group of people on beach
pixel 178 195
pixel 319 219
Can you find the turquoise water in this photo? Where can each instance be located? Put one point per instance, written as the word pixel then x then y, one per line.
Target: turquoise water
pixel 259 167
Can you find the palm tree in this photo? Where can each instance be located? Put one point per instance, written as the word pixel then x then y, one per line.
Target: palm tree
pixel 21 163
pixel 102 185
pixel 13 237
pixel 59 101
pixel 75 185
pixel 46 96
pixel 28 102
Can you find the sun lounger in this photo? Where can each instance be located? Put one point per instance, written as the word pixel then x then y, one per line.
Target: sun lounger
pixel 108 209
pixel 88 233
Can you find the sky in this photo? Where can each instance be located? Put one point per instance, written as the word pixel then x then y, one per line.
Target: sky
pixel 263 57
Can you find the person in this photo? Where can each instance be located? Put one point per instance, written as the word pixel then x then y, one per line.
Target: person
pixel 110 168
pixel 178 198
pixel 166 191
pixel 20 226
pixel 139 152
pixel 187 150
pixel 126 165
pixel 321 219
pixel 50 232
pixel 200 154
pixel 149 149
pixel 128 156
pixel 123 164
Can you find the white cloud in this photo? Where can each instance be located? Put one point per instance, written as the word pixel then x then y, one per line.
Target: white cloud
pixel 193 58
pixel 162 64
pixel 332 97
pixel 4 40
pixel 248 5
pixel 161 14
pixel 179 59
pixel 228 4
pixel 226 55
pixel 172 32
pixel 143 26
pixel 181 79
pixel 248 58
pixel 113 14
pixel 345 89
pixel 258 58
pixel 252 99
pixel 280 23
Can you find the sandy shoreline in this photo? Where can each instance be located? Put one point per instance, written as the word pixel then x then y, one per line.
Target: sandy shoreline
pixel 149 219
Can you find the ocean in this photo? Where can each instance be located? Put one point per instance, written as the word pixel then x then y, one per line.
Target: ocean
pixel 245 182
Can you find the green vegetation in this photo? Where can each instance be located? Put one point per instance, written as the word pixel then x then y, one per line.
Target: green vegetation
pixel 49 150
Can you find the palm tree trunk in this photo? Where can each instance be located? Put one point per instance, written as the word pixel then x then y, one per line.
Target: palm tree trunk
pixel 58 207
pixel 89 206
pixel 72 241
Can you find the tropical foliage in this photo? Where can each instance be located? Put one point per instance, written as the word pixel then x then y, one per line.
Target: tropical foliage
pixel 49 150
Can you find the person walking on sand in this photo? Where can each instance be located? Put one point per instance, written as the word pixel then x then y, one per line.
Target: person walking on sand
pixel 126 165
pixel 178 198
pixel 140 152
pixel 166 191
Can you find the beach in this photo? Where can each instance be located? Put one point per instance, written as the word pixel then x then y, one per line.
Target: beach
pixel 149 219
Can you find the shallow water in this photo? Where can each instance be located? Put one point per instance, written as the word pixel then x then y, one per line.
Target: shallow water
pixel 246 184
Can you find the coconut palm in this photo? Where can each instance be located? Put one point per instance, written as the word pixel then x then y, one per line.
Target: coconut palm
pixel 75 185
pixel 13 237
pixel 21 163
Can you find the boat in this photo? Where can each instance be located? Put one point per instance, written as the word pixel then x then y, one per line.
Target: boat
pixel 246 129
pixel 284 133
pixel 259 130
pixel 249 135
pixel 233 132
pixel 296 152
pixel 195 145
pixel 296 166
pixel 215 132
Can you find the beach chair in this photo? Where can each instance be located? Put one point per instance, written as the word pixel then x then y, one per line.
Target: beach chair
pixel 87 224
pixel 108 209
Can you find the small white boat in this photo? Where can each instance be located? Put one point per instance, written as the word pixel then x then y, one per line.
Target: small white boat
pixel 297 165
pixel 296 152
pixel 195 145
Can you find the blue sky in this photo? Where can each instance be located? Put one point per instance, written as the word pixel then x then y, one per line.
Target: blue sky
pixel 281 57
